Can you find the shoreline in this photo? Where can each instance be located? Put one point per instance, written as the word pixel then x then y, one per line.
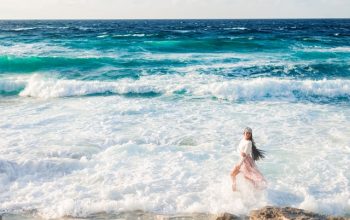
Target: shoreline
pixel 267 212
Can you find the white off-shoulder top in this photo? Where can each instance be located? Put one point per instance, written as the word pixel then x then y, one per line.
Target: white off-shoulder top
pixel 245 146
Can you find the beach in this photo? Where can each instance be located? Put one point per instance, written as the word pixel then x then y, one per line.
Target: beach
pixel 110 116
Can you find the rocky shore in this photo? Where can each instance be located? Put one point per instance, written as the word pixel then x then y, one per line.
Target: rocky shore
pixel 278 213
pixel 265 213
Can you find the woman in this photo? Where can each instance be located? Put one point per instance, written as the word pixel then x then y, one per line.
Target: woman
pixel 249 154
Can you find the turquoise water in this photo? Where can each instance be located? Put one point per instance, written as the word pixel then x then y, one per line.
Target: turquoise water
pixel 231 49
pixel 115 115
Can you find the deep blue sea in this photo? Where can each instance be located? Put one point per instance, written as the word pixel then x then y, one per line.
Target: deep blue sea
pixel 115 115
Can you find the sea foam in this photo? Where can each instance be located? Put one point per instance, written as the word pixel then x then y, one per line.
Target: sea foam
pixel 191 84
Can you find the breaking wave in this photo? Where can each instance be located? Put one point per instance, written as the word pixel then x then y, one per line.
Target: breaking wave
pixel 191 84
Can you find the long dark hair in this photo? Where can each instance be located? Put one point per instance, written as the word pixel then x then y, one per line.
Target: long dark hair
pixel 256 153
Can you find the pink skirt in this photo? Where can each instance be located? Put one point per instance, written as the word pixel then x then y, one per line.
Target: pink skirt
pixel 250 171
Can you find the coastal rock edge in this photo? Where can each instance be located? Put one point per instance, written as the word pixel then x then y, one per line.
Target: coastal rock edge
pixel 288 213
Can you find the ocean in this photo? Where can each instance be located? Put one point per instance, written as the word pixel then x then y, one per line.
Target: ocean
pixel 122 115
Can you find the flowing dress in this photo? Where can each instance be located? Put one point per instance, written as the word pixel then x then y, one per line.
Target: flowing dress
pixel 247 165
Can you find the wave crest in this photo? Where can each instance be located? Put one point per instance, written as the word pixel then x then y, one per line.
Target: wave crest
pixel 191 85
pixel 269 88
pixel 50 88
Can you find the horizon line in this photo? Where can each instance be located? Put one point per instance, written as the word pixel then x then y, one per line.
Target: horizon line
pixel 57 19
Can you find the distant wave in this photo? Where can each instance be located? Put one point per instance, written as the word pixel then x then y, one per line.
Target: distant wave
pixel 129 35
pixel 192 85
pixel 24 28
pixel 343 49
pixel 92 66
pixel 236 28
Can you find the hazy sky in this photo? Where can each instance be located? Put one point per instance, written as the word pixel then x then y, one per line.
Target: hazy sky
pixel 75 9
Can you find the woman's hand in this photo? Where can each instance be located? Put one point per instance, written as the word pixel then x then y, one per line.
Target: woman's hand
pixel 243 154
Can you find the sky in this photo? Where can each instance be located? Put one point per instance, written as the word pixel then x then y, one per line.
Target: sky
pixel 172 9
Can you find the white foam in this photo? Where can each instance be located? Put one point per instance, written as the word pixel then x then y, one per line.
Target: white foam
pixel 102 36
pixel 49 50
pixel 183 31
pixel 56 50
pixel 236 28
pixel 24 28
pixel 343 49
pixel 191 84
pixel 48 88
pixel 12 84
pixel 276 88
pixel 133 35
pixel 84 155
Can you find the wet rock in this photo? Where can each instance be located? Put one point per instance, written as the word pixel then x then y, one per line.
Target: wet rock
pixel 288 213
pixel 337 218
pixel 229 216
